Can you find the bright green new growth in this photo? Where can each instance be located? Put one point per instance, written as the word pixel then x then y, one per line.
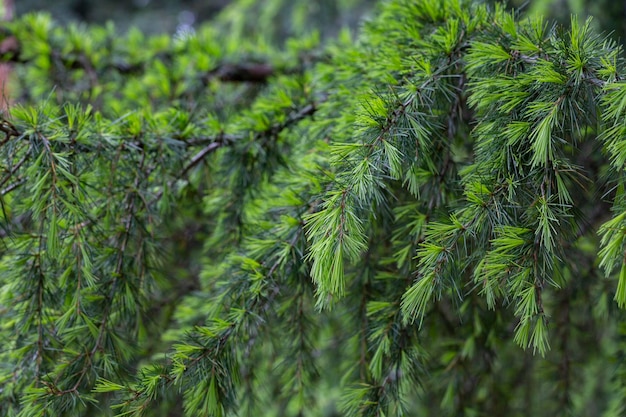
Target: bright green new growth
pixel 411 223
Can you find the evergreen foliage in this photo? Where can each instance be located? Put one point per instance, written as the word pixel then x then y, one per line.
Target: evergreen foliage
pixel 428 218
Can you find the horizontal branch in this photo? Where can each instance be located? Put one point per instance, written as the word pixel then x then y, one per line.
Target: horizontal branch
pixel 242 72
pixel 201 155
pixel 223 139
pixel 212 143
pixel 251 72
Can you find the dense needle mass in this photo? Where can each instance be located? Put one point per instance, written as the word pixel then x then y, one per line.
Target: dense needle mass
pixel 425 219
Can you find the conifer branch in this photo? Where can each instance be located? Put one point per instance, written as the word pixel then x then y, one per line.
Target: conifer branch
pixel 223 139
pixel 248 72
pixel 444 166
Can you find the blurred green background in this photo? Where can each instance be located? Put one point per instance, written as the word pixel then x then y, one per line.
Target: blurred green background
pixel 280 18
pixel 287 17
pixel 150 15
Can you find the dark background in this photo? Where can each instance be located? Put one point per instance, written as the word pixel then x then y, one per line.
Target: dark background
pixel 167 16
pixel 153 16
